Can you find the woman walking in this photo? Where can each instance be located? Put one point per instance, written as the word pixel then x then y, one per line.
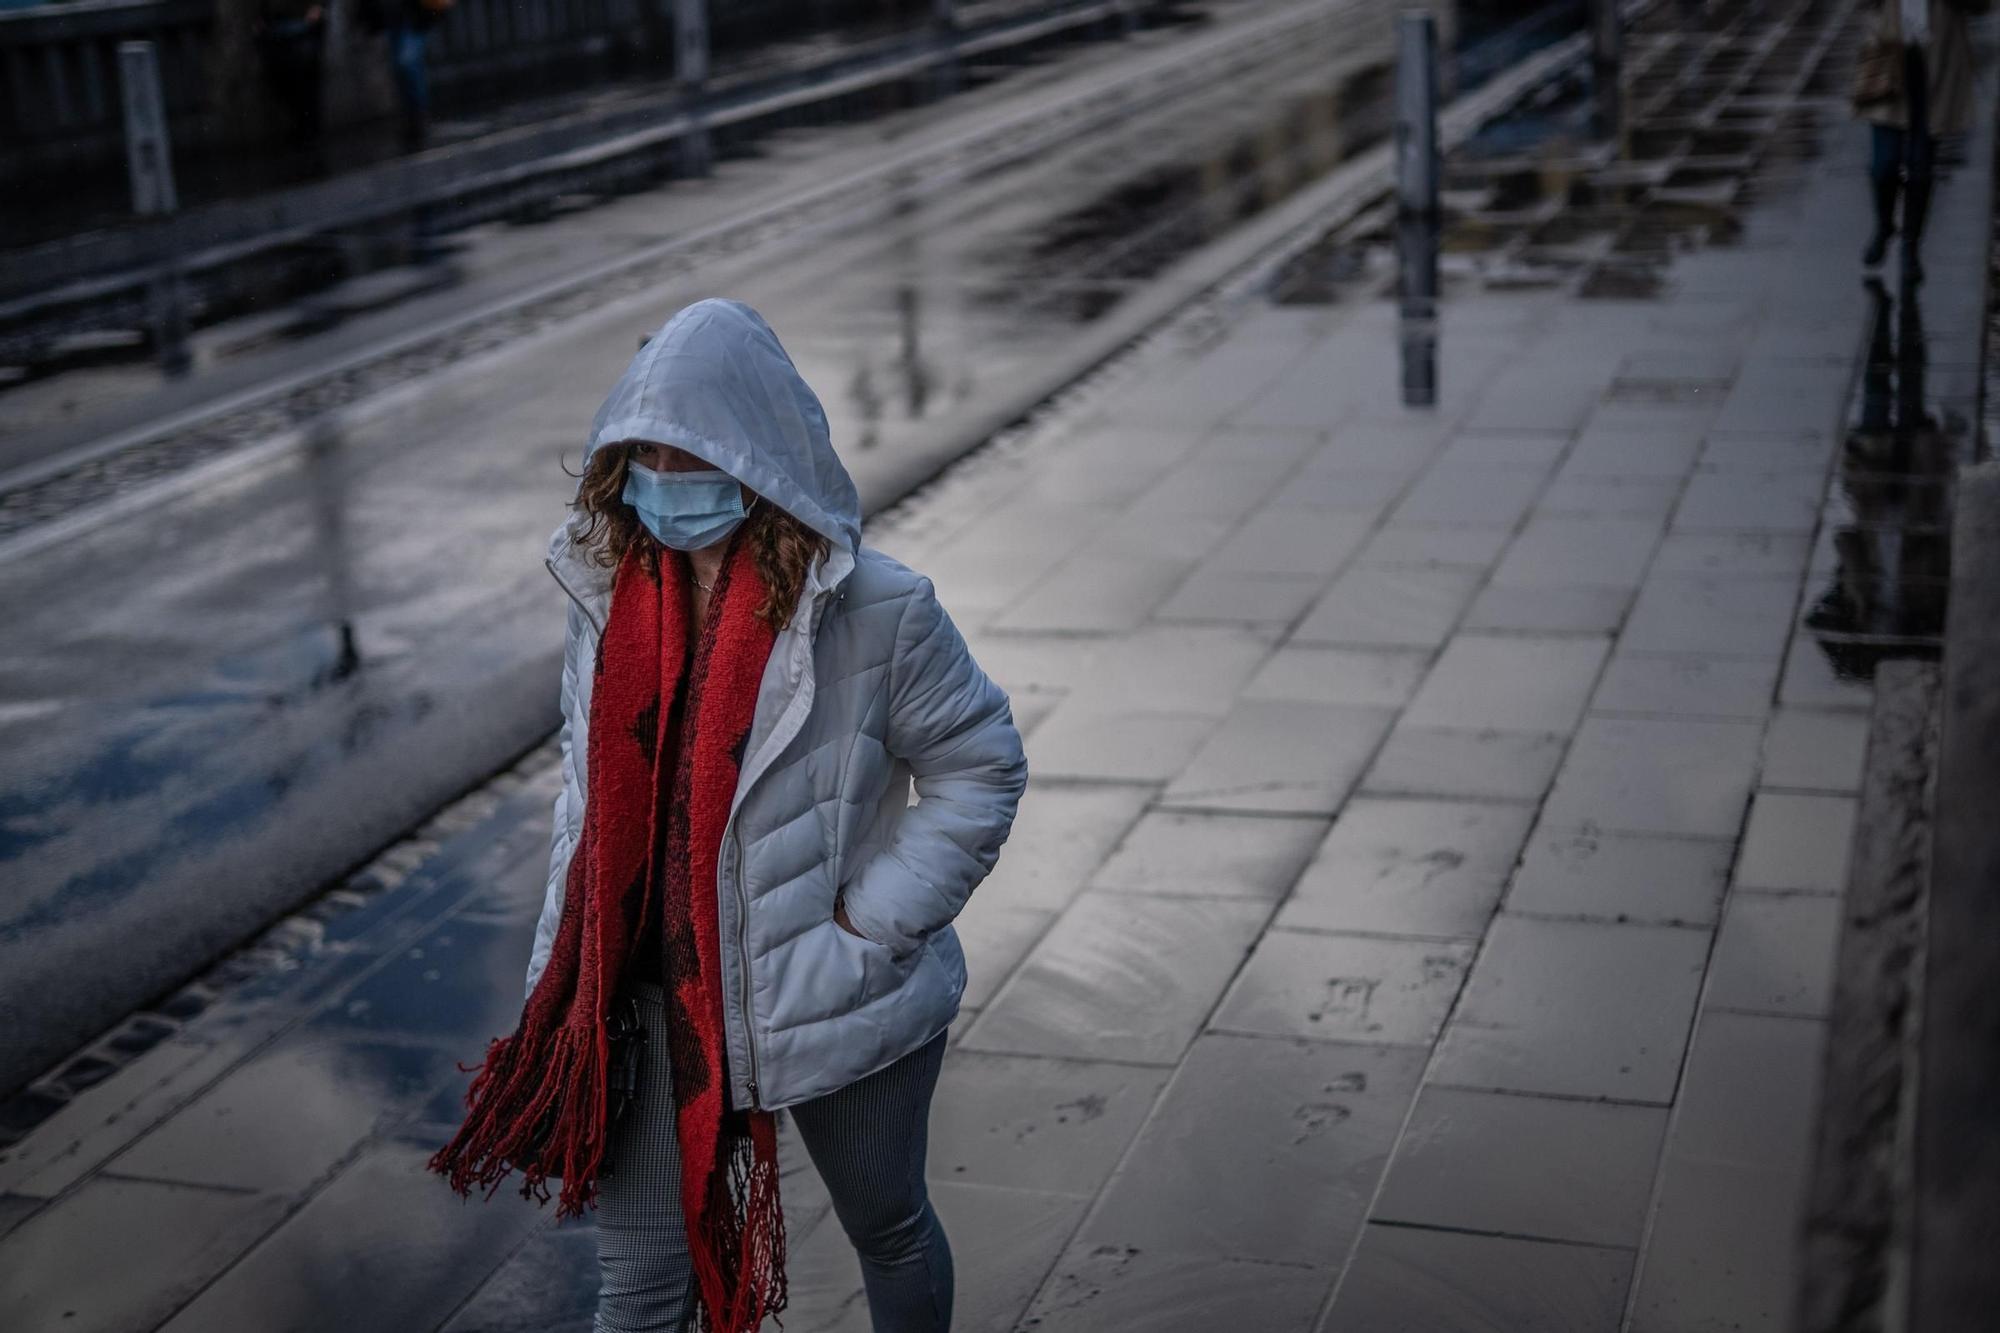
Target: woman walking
pixel 738 872
pixel 1913 83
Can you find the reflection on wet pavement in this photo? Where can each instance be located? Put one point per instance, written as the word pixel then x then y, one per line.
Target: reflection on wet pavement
pixel 1889 538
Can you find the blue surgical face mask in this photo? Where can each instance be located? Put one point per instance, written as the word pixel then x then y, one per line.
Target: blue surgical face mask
pixel 685 510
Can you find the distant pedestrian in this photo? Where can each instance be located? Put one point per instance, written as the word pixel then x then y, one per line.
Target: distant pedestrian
pixel 738 874
pixel 291 48
pixel 1914 84
pixel 407 24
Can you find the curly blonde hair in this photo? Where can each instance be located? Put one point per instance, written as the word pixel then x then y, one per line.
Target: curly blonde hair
pixel 783 548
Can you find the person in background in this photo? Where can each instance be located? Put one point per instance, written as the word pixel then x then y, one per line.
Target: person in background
pixel 407 24
pixel 291 45
pixel 1913 83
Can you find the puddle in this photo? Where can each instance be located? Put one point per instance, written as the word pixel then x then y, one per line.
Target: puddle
pixel 1717 111
pixel 1881 578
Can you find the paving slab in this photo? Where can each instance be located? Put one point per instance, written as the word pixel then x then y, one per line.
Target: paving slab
pixel 1686 685
pixel 168 1240
pixel 1797 842
pixel 1121 976
pixel 1576 1009
pixel 1775 954
pixel 1508 681
pixel 1729 617
pixel 1622 877
pixel 1021 1122
pixel 1356 988
pixel 1358 677
pixel 1604 552
pixel 1253 761
pixel 1549 609
pixel 1206 854
pixel 1410 867
pixel 1809 750
pixel 1530 1167
pixel 1406 1279
pixel 1448 761
pixel 1389 608
pixel 1645 775
pixel 1261 1149
pixel 1061 833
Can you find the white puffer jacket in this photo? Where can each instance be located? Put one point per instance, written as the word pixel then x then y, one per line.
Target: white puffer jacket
pixel 868 692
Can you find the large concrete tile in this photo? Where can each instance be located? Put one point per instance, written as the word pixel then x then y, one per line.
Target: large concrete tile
pixel 331 1266
pixel 1576 1009
pixel 1659 455
pixel 1280 756
pixel 284 1119
pixel 1121 1288
pixel 1529 452
pixel 1261 1149
pixel 1358 677
pixel 1818 751
pixel 1291 541
pixel 1684 685
pixel 1775 954
pixel 1723 1250
pixel 1121 977
pixel 1467 546
pixel 1797 842
pixel 460 976
pixel 995 936
pixel 1729 617
pixel 1549 609
pixel 1759 501
pixel 1417 1280
pixel 1647 775
pixel 1750 1095
pixel 1734 554
pixel 1247 856
pixel 1389 608
pixel 1508 682
pixel 1487 496
pixel 1486 764
pixel 1108 743
pixel 1410 867
pixel 104 1119
pixel 1023 1122
pixel 1622 877
pixel 120 1256
pixel 1214 596
pixel 1532 1167
pixel 1607 552
pixel 1061 833
pixel 1345 988
pixel 1338 487
pixel 549 1285
pixel 1094 592
pixel 1577 496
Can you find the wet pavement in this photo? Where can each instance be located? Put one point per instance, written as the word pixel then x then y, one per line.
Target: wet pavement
pixel 1422 912
pixel 229 685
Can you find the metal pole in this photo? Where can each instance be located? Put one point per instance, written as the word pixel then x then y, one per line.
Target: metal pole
pixel 149 157
pixel 691 72
pixel 1607 43
pixel 1417 204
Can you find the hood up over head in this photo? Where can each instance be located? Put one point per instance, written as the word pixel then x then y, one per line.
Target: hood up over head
pixel 715 382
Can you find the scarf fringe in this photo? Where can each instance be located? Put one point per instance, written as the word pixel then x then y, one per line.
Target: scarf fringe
pixel 748 1266
pixel 516 1091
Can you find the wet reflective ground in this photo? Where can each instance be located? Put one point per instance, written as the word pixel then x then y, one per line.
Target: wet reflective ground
pixel 216 700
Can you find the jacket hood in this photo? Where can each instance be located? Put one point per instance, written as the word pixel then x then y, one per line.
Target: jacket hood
pixel 715 381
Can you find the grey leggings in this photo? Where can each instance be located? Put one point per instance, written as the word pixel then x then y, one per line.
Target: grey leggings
pixel 868 1141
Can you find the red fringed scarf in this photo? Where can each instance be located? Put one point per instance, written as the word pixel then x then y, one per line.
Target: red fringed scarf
pixel 664 748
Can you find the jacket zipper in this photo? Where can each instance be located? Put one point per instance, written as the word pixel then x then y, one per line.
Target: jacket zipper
pixel 743 962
